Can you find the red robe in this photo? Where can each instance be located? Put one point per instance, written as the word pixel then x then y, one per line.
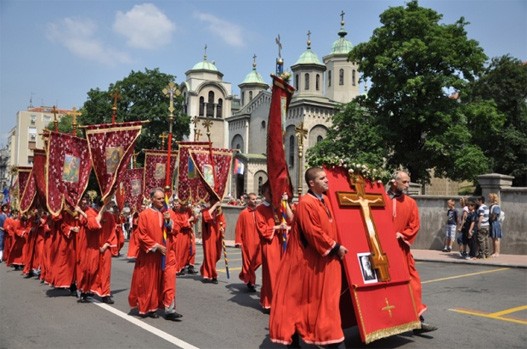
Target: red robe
pixel 171 263
pixel 246 236
pixel 406 223
pixel 133 244
pixel 119 234
pixel 307 292
pixel 18 231
pixel 42 230
pixel 63 264
pixel 49 251
pixel 104 233
pixel 8 238
pixel 212 243
pixel 271 252
pixel 146 290
pixel 30 261
pixel 184 248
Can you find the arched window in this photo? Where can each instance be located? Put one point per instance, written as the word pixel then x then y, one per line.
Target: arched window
pixel 320 139
pixel 317 82
pixel 250 95
pixel 341 77
pixel 306 81
pixel 292 151
pixel 210 105
pixel 201 106
pixel 243 98
pixel 297 82
pixel 329 78
pixel 353 77
pixel 260 182
pixel 219 109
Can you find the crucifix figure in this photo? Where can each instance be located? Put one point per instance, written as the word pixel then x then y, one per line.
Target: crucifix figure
pixel 207 124
pixel 365 201
pixel 74 114
pixel 116 95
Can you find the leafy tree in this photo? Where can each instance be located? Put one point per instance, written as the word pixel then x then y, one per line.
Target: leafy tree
pixel 414 63
pixel 504 138
pixel 141 98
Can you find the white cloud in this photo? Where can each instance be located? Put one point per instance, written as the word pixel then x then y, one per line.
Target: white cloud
pixel 144 26
pixel 78 36
pixel 229 32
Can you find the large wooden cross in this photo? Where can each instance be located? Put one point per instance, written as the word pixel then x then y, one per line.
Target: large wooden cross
pixel 365 201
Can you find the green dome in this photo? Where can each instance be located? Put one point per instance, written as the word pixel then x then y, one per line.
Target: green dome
pixel 205 65
pixel 253 77
pixel 341 46
pixel 308 57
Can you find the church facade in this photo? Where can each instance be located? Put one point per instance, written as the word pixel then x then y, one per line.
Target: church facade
pixel 322 86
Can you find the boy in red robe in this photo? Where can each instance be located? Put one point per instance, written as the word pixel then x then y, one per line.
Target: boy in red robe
pixel 307 292
pixel 213 227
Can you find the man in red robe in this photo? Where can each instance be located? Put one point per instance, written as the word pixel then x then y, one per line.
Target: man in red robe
pixel 146 290
pixel 64 263
pixel 213 227
pixel 247 238
pixel 18 228
pixel 406 223
pixel 184 220
pixel 272 230
pixel 307 292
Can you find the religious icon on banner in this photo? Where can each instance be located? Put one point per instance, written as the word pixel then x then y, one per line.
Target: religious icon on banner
pixel 283 112
pixel 191 169
pixel 136 187
pixel 208 175
pixel 368 273
pixel 70 170
pixel 113 157
pixel 159 172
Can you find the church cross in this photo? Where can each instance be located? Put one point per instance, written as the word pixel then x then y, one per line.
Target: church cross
pixel 74 114
pixel 277 40
pixel 342 16
pixel 388 307
pixel 365 201
pixel 301 133
pixel 207 124
pixel 163 136
pixel 116 95
pixel 197 134
pixel 55 121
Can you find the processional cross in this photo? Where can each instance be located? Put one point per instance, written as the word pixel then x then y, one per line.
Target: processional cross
pixel 74 114
pixel 55 121
pixel 365 201
pixel 207 124
pixel 116 95
pixel 163 137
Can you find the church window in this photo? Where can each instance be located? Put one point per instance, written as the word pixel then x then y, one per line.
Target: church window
pixel 306 81
pixel 291 151
pixel 329 78
pixel 317 82
pixel 297 82
pixel 243 98
pixel 219 108
pixel 250 95
pixel 260 182
pixel 210 105
pixel 341 77
pixel 263 124
pixel 201 106
pixel 353 77
pixel 319 139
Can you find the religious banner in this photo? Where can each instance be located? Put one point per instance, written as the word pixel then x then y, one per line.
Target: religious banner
pixel 130 190
pixel 21 180
pixel 277 170
pixel 375 267
pixel 34 193
pixel 68 170
pixel 111 147
pixel 202 177
pixel 155 169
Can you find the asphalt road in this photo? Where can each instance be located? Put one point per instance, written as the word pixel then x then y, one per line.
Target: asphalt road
pixel 474 306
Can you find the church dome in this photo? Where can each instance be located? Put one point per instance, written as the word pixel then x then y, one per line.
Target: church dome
pixel 253 78
pixel 308 57
pixel 342 45
pixel 205 65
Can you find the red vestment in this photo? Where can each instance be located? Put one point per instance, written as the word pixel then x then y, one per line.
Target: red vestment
pixel 271 243
pixel 63 263
pixel 18 230
pixel 8 238
pixel 49 252
pixel 171 263
pixel 184 234
pixel 119 234
pixel 133 244
pixel 246 235
pixel 146 290
pixel 308 286
pixel 407 224
pixel 212 242
pixel 105 235
pixel 30 262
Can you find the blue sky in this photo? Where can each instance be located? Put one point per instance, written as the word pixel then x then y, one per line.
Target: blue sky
pixel 55 51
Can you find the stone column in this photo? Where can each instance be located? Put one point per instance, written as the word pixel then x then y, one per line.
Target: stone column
pixel 494 183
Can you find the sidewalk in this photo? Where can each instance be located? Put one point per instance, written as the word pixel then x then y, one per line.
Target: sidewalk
pixel 504 260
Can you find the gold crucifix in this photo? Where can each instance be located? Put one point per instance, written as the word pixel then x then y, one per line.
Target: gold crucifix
pixel 197 134
pixel 116 95
pixel 388 307
pixel 207 124
pixel 134 159
pixel 74 114
pixel 365 201
pixel 55 120
pixel 163 136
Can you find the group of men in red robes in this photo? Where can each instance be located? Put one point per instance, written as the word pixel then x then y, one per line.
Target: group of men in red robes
pixel 69 250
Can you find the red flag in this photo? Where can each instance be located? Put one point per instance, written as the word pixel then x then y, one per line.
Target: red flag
pixel 111 147
pixel 155 169
pixel 23 179
pixel 35 189
pixel 277 171
pixel 68 170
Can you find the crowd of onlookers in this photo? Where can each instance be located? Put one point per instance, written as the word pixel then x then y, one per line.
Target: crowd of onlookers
pixel 474 227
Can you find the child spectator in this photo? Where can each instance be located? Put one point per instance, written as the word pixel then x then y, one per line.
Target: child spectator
pixel 462 240
pixel 451 225
pixel 495 224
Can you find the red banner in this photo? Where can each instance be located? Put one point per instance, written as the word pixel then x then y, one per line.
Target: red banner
pixel 155 167
pixel 39 172
pixel 68 170
pixel 200 177
pixel 375 267
pixel 27 196
pixel 131 189
pixel 277 170
pixel 111 147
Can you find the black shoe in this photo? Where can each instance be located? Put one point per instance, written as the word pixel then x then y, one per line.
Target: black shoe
pixel 83 298
pixel 295 343
pixel 181 272
pixel 251 287
pixel 107 300
pixel 28 275
pixel 173 316
pixel 191 270
pixel 152 314
pixel 214 280
pixel 425 327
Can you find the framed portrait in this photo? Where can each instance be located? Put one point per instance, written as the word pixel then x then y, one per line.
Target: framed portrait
pixel 369 275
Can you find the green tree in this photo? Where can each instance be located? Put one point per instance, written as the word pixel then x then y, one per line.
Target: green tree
pixel 141 98
pixel 503 135
pixel 414 63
